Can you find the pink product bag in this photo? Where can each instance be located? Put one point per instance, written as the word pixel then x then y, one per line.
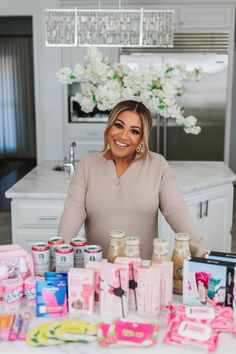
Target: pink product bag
pixel 15 263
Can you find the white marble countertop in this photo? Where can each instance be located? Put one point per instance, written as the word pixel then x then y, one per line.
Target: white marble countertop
pixel 226 342
pixel 43 182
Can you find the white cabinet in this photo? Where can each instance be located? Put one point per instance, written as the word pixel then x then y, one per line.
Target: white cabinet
pixel 211 209
pixel 88 138
pixel 34 220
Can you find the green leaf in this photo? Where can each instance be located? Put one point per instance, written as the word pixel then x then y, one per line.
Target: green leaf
pixel 94 99
pixel 169 70
pixel 72 77
pixel 162 105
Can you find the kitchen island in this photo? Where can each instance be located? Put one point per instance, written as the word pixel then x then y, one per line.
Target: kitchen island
pixel 38 199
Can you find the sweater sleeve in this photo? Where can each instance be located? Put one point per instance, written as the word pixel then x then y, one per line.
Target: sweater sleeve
pixel 74 213
pixel 176 212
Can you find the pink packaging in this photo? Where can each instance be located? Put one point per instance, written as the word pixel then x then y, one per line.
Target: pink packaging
pixel 15 263
pixel 149 296
pixel 166 282
pixel 133 264
pixel 81 283
pixel 12 294
pixel 114 290
pixel 30 290
pixel 96 266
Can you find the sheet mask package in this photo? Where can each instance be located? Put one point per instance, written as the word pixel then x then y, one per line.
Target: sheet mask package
pixel 208 281
pixel 81 284
pixel 114 290
pixel 149 295
pixel 133 264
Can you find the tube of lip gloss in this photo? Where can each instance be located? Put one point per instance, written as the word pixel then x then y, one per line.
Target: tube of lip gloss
pixel 15 327
pixel 24 326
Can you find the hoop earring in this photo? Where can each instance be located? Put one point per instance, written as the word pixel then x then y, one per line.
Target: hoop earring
pixel 140 149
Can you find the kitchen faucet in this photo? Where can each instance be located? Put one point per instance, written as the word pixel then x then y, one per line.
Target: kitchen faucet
pixel 69 165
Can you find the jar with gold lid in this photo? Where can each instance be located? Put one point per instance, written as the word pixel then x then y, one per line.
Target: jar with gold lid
pixel 117 243
pixel 132 247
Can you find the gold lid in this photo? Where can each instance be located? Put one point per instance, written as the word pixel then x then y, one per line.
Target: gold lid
pixel 132 241
pixel 117 233
pixel 182 236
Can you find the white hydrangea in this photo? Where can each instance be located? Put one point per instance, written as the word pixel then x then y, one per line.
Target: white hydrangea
pixel 104 85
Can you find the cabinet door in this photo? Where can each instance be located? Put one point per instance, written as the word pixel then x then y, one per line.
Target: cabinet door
pixel 26 237
pixel 217 212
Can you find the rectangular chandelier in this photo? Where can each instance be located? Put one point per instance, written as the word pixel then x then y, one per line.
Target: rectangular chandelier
pixel 109 28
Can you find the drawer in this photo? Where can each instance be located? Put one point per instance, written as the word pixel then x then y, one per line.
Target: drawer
pixel 34 215
pixel 86 131
pixel 26 238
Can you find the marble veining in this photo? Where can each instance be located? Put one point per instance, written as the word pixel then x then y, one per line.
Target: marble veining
pixel 43 182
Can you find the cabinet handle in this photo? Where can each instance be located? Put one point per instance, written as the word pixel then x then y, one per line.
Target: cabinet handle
pixel 206 208
pixel 200 212
pixel 49 217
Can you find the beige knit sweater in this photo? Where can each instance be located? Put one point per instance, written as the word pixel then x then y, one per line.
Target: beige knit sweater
pixel 104 202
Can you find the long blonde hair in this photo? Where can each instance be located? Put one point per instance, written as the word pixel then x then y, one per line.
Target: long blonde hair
pixel 141 110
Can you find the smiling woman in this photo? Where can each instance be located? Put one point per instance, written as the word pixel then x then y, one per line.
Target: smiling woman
pixel 124 186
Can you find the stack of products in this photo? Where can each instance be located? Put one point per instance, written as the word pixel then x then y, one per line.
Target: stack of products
pixel 211 280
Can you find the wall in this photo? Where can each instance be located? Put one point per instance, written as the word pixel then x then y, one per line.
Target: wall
pixel 50 96
pixel 232 159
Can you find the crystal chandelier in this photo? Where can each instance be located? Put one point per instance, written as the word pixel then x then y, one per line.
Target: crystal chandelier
pixel 109 28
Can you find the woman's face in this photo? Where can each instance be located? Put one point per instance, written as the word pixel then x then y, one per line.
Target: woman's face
pixel 125 135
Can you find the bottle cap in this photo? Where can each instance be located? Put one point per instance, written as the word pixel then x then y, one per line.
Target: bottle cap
pixel 181 236
pixel 132 241
pixel 160 242
pixel 117 233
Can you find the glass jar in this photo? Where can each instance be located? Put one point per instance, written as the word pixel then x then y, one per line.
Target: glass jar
pixel 180 253
pixel 117 243
pixel 160 250
pixel 132 247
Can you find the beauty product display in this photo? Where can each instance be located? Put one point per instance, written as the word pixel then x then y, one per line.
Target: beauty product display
pixel 166 282
pixel 12 294
pixel 180 253
pixel 81 286
pixel 208 281
pixel 14 326
pixel 134 264
pixel 127 334
pixel 97 267
pixel 160 250
pixel 114 290
pixel 15 263
pixel 117 244
pixel 132 247
pixel 148 291
pixel 51 297
pixel 30 290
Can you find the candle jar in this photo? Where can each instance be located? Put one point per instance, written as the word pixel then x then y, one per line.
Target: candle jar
pixel 117 243
pixel 132 247
pixel 180 253
pixel 160 250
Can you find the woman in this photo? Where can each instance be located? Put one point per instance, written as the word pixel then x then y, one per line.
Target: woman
pixel 123 187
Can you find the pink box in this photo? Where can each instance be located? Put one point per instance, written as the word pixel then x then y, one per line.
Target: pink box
pixel 133 264
pixel 149 296
pixel 114 290
pixel 97 267
pixel 81 285
pixel 166 282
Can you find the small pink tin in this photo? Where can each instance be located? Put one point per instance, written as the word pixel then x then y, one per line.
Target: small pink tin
pixel 12 294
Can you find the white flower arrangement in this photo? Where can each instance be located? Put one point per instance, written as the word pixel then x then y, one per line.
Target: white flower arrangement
pixel 103 85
